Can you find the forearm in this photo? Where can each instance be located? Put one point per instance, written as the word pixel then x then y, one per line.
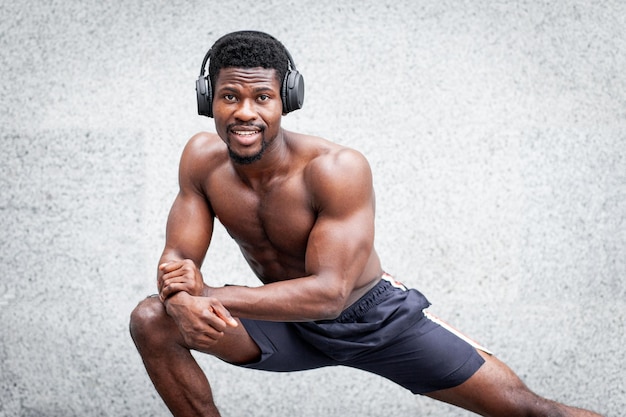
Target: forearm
pixel 300 299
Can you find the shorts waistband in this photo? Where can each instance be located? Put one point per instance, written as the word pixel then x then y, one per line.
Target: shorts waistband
pixel 379 293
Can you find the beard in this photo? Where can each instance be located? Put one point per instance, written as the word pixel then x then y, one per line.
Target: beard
pixel 247 160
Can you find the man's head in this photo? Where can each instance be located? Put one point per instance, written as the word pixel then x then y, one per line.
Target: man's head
pixel 252 82
pixel 250 49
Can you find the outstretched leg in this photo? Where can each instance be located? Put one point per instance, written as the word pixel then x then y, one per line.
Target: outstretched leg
pixel 494 390
pixel 174 372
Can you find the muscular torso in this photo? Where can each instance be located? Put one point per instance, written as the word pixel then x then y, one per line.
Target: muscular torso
pixel 271 220
pixel 271 226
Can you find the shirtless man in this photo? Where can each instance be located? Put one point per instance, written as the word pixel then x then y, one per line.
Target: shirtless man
pixel 301 210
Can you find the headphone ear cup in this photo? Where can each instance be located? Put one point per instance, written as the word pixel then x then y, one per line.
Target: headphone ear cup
pixel 292 91
pixel 204 94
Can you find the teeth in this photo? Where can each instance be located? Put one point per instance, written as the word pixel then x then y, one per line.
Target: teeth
pixel 245 133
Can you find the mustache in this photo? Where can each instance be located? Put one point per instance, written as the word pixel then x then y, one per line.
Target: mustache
pixel 234 126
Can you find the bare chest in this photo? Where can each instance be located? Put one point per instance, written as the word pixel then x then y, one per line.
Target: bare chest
pixel 269 225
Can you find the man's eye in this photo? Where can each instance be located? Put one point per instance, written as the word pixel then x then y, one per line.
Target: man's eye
pixel 264 97
pixel 229 97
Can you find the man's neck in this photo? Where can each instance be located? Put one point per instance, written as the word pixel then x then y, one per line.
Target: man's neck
pixel 273 164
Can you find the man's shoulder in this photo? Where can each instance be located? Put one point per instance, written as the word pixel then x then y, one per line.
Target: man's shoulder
pixel 326 154
pixel 336 167
pixel 204 147
pixel 204 143
pixel 203 153
pixel 337 160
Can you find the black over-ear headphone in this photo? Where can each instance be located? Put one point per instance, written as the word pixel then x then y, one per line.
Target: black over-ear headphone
pixel 292 91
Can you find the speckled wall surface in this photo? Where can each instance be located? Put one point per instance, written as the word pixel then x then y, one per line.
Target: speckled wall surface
pixel 497 136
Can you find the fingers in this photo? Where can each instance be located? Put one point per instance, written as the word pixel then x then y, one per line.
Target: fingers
pixel 164 269
pixel 177 268
pixel 169 270
pixel 203 335
pixel 170 288
pixel 210 329
pixel 199 318
pixel 171 284
pixel 221 312
pixel 217 316
pixel 175 276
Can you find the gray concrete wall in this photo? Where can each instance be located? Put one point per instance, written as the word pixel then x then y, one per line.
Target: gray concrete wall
pixel 497 136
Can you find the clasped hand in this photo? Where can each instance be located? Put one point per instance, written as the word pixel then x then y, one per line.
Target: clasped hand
pixel 177 276
pixel 201 320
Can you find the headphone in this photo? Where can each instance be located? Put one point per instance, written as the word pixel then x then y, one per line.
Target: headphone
pixel 292 90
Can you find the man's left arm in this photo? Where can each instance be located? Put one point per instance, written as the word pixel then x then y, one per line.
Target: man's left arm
pixel 339 247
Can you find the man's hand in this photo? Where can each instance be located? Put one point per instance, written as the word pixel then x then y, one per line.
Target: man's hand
pixel 201 320
pixel 177 276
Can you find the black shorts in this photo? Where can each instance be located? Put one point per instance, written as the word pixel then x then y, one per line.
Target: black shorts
pixel 385 332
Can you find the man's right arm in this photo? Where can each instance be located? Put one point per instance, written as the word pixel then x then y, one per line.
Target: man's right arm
pixel 189 224
pixel 188 235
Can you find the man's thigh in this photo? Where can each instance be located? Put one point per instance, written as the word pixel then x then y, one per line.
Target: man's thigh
pixel 493 390
pixel 281 348
pixel 424 358
pixel 236 346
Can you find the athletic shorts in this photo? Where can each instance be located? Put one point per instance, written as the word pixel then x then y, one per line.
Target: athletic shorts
pixel 385 332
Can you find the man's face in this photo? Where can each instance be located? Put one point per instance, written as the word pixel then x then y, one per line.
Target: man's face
pixel 247 109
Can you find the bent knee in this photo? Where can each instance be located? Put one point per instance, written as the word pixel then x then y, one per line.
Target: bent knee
pixel 148 314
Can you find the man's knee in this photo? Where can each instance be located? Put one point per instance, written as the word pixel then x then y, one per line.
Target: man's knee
pixel 145 318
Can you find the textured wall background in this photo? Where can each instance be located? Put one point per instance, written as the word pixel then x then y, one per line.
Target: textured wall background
pixel 497 136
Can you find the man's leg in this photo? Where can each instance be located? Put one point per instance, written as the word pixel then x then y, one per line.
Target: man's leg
pixel 171 367
pixel 494 390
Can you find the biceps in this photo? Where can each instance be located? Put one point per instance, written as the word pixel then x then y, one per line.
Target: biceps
pixel 341 246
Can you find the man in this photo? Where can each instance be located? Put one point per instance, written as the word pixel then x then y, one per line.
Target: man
pixel 301 210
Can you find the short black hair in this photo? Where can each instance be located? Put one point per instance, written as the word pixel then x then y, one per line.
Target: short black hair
pixel 248 49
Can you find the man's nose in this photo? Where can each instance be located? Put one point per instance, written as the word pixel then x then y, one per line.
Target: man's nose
pixel 246 110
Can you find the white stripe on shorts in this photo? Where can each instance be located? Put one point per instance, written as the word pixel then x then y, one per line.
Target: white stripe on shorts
pixel 456 332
